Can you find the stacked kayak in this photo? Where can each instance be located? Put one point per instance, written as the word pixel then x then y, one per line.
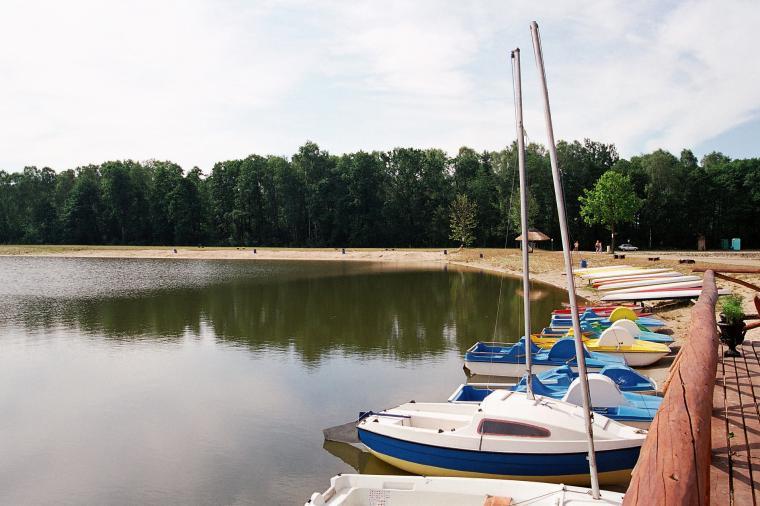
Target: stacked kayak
pixel 626 283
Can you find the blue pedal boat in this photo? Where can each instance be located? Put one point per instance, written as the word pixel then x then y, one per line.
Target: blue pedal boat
pixel 630 408
pixel 595 330
pixel 589 316
pixel 508 360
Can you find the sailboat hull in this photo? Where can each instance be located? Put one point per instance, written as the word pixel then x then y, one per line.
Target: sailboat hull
pixel 614 466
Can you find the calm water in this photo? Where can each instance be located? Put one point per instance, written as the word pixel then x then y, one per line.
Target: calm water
pixel 209 382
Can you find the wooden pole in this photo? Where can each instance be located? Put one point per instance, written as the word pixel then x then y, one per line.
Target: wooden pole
pixel 674 465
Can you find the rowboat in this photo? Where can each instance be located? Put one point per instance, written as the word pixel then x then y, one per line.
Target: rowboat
pixel 508 360
pixel 680 293
pixel 646 282
pixel 617 341
pixel 630 408
pixel 376 490
pixel 507 435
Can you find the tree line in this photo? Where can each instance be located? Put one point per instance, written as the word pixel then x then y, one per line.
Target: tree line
pixel 397 198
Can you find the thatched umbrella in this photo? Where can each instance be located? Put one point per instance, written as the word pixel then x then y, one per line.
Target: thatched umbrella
pixel 534 236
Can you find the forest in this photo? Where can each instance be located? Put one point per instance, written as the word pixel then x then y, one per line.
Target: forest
pixel 397 198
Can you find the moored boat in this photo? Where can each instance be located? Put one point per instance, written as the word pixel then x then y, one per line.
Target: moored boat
pixel 508 360
pixel 630 408
pixel 617 341
pixel 374 490
pixel 507 435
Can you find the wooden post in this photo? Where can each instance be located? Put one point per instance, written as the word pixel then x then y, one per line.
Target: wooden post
pixel 674 466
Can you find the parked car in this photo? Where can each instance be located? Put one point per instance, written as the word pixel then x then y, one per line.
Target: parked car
pixel 627 247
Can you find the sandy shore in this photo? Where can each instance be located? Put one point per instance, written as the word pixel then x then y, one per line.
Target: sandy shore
pixel 545 266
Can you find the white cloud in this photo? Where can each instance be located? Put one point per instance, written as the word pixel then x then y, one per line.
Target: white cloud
pixel 202 81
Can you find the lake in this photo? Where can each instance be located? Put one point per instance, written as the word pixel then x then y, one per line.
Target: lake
pixel 131 381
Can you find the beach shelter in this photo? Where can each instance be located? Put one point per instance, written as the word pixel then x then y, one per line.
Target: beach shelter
pixel 534 235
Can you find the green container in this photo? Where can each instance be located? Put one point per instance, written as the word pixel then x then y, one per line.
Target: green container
pixel 736 244
pixel 724 244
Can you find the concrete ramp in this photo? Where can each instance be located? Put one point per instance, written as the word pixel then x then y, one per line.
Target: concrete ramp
pixel 345 433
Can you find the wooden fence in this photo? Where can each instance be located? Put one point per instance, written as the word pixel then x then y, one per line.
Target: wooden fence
pixel 674 466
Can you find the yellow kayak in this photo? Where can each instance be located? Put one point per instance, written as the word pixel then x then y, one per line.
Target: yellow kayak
pixel 637 353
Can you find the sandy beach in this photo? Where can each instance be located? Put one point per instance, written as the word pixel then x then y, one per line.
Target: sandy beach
pixel 545 266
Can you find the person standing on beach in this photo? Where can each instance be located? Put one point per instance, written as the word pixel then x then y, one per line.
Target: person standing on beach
pixel 575 246
pixel 598 246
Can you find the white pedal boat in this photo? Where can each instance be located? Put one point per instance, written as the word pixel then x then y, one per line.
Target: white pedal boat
pixel 376 490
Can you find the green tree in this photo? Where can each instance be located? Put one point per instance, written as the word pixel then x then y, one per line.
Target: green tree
pixel 82 210
pixel 463 220
pixel 514 212
pixel 612 201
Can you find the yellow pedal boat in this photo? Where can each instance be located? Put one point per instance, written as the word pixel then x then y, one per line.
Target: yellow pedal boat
pixel 616 341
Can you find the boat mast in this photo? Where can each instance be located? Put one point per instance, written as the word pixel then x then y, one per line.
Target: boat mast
pixel 562 215
pixel 516 77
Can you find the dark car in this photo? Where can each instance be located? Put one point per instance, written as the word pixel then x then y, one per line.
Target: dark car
pixel 627 247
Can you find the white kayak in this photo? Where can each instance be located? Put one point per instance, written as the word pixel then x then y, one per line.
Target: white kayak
pixel 685 293
pixel 389 490
pixel 606 275
pixel 587 270
pixel 632 277
pixel 650 281
pixel 696 284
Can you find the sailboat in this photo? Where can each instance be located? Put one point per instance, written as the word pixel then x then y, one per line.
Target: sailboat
pixel 515 435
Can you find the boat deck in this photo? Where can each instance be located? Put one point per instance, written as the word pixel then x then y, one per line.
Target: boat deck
pixel 735 469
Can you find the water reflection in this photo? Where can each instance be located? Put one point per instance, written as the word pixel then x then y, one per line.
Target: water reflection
pixel 313 308
pixel 200 382
pixel 360 461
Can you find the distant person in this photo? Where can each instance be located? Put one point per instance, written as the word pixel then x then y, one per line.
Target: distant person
pixel 598 246
pixel 575 246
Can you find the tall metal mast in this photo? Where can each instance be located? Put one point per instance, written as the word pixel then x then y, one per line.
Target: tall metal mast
pixel 517 79
pixel 559 195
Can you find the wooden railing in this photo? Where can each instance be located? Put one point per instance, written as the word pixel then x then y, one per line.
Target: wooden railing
pixel 674 466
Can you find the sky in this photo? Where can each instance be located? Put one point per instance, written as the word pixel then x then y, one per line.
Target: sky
pixel 198 82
